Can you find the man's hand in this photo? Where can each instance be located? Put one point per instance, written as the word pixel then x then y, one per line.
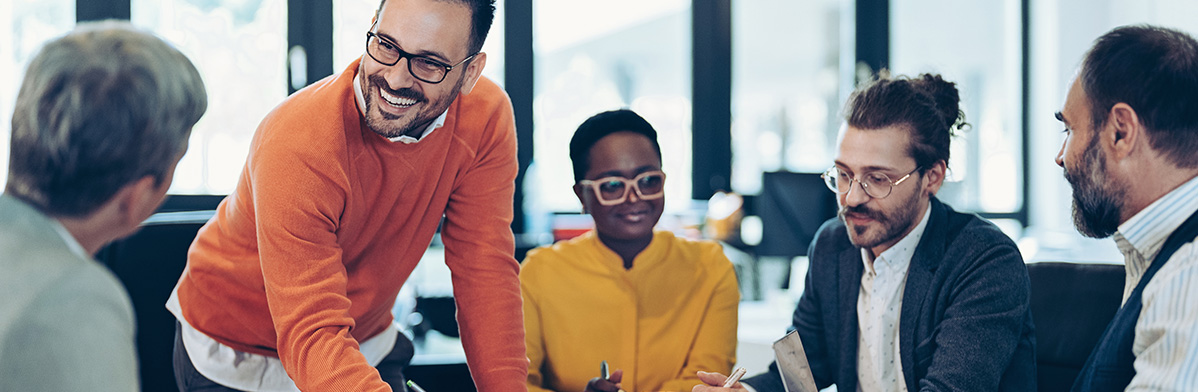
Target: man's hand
pixel 714 382
pixel 611 384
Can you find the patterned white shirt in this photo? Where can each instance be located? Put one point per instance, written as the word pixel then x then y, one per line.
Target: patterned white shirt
pixel 879 304
pixel 1166 335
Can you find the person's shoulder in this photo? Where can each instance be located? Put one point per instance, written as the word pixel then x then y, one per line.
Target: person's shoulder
pixel 55 281
pixel 486 106
pixel 307 117
pixel 708 253
pixel 971 230
pixel 556 256
pixel 33 256
pixel 485 94
pixel 968 239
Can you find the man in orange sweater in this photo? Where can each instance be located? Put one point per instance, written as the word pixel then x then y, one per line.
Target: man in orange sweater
pixel 292 282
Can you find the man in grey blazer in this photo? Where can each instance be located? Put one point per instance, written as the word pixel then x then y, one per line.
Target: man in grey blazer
pixel 102 118
pixel 903 293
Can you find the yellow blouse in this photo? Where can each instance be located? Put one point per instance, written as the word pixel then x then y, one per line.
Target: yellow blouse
pixel 672 314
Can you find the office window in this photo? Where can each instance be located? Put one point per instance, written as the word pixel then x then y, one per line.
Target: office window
pixel 28 24
pixel 240 49
pixel 351 21
pixel 978 46
pixel 785 88
pixel 596 56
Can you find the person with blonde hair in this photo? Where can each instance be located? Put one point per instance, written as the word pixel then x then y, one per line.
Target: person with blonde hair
pixel 101 120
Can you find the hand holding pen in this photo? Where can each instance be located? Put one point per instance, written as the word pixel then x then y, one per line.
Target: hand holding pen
pixel 713 382
pixel 607 381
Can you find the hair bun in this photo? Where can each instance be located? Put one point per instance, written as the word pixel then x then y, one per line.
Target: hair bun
pixel 944 93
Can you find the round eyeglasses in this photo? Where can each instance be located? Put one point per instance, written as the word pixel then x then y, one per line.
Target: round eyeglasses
pixel 875 184
pixel 424 68
pixel 614 190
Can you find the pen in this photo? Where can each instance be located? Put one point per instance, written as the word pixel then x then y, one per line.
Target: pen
pixel 736 375
pixel 603 370
pixel 414 387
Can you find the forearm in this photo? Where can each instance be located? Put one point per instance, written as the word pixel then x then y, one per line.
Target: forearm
pixel 490 320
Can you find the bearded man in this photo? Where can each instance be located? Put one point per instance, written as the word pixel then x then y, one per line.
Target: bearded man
pixel 1131 155
pixel 291 284
pixel 903 293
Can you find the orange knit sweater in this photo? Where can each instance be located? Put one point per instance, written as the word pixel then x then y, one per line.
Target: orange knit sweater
pixel 305 258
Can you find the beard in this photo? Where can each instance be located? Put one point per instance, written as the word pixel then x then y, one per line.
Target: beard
pixel 886 227
pixel 1097 202
pixel 390 125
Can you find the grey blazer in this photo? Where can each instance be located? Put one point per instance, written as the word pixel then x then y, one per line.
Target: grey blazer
pixel 965 323
pixel 66 323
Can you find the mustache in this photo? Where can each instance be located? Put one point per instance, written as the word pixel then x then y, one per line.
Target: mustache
pixel 861 210
pixel 376 80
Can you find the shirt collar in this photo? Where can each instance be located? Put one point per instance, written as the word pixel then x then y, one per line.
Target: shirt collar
pixel 898 257
pixel 1147 230
pixel 72 243
pixel 405 139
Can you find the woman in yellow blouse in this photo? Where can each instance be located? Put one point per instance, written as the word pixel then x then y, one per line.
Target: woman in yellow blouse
pixel 655 307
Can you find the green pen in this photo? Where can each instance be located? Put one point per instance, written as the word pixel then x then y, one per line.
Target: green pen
pixel 414 387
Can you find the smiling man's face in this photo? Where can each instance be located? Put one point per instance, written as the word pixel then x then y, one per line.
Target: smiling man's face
pixel 396 102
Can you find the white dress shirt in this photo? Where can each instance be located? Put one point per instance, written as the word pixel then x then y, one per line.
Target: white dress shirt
pixel 405 139
pixel 879 304
pixel 1166 334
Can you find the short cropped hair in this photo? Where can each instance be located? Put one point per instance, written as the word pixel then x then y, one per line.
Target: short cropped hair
pixel 599 126
pixel 927 106
pixel 100 108
pixel 1155 71
pixel 482 14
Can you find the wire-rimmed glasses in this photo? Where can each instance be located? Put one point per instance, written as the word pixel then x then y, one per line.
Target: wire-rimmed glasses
pixel 875 184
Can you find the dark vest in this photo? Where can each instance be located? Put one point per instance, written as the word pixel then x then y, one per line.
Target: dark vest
pixel 1109 367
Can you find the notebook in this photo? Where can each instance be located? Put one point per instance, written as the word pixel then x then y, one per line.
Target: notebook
pixel 792 364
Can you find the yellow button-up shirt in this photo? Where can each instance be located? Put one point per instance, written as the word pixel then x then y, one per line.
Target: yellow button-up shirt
pixel 672 314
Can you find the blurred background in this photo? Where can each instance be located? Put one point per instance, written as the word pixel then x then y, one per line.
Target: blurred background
pixel 745 96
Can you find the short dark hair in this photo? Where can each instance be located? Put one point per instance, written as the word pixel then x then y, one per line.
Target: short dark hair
pixel 100 108
pixel 482 14
pixel 927 106
pixel 599 126
pixel 1155 71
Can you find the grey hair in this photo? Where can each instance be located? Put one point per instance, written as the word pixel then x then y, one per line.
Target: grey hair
pixel 100 108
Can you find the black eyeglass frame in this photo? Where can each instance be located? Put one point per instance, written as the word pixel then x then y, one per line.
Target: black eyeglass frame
pixel 405 55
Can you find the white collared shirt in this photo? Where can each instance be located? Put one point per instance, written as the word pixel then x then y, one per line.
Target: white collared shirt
pixel 405 139
pixel 253 372
pixel 1166 334
pixel 247 371
pixel 879 304
pixel 72 243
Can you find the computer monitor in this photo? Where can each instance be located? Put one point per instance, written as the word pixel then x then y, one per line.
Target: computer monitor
pixel 792 206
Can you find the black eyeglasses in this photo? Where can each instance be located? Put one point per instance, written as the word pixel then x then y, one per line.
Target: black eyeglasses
pixel 875 184
pixel 423 68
